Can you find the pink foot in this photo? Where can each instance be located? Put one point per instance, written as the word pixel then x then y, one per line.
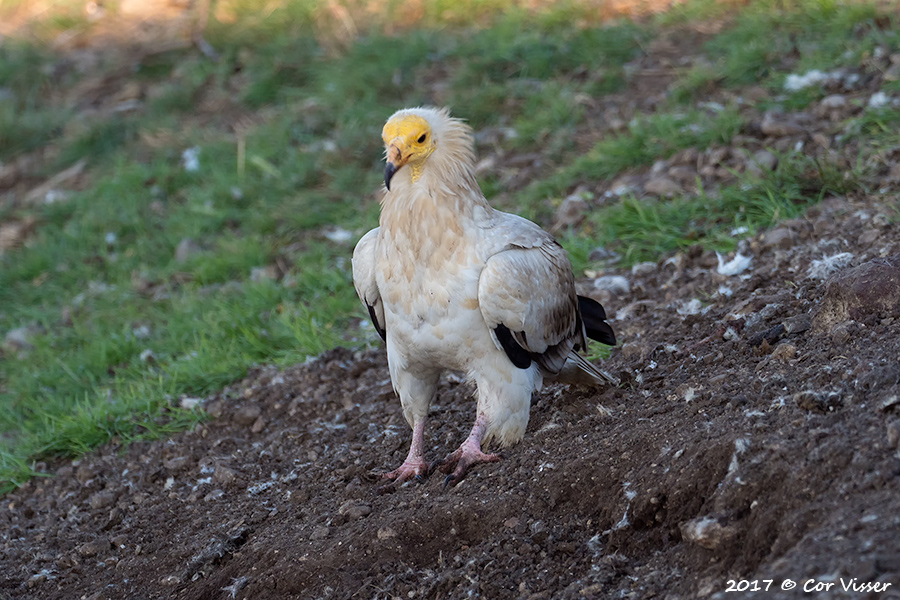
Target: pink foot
pixel 458 463
pixel 412 468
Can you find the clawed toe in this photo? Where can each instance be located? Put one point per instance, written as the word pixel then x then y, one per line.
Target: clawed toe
pixel 458 463
pixel 415 469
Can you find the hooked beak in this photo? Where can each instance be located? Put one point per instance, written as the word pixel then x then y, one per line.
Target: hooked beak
pixel 389 170
pixel 395 161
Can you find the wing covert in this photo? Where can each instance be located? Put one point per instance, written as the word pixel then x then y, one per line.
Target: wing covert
pixel 527 298
pixel 364 280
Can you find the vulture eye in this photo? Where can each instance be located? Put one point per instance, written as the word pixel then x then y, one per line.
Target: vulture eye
pixel 422 138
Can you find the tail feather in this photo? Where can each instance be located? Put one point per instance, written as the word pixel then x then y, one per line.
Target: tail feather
pixel 578 371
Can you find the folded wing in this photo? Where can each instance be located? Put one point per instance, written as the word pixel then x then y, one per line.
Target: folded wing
pixel 527 298
pixel 364 279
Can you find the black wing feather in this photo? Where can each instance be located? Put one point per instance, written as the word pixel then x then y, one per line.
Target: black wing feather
pixel 375 322
pixel 519 356
pixel 595 324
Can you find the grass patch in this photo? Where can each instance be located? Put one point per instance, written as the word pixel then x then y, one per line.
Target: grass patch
pixel 647 139
pixel 771 38
pixel 640 229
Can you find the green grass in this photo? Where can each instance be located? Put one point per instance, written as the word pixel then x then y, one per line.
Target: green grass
pixel 124 330
pixel 647 139
pixel 641 230
pixel 772 38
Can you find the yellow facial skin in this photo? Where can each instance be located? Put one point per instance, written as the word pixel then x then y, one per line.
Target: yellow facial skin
pixel 407 141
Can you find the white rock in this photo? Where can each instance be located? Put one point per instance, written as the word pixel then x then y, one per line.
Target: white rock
pixel 614 284
pixel 795 83
pixel 643 268
pixel 879 100
pixel 188 403
pixel 735 266
pixel 338 235
pixel 825 266
pixel 834 101
pixel 691 307
pixel 190 159
pixel 708 532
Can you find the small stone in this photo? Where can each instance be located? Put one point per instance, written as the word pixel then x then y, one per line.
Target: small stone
pixel 643 268
pixel 170 580
pixel 176 463
pixel 320 532
pixel 663 187
pixel 85 473
pixel 687 157
pixel 224 474
pixel 247 415
pixel 867 238
pixel 841 333
pixel 571 212
pixel 102 500
pixel 871 289
pixel 258 425
pixel 779 125
pixel 385 533
pixel 710 532
pixel 779 238
pixel 354 509
pixel 684 175
pixel 188 403
pixel 818 402
pixel 115 517
pixel 94 547
pixel 214 495
pixel 784 352
pixel 268 273
pixel 796 324
pixel 20 340
pixel 604 255
pixel 834 101
pixel 761 162
pixel 893 434
pixel 822 140
pixel 718 156
pixel 187 248
pixel 615 284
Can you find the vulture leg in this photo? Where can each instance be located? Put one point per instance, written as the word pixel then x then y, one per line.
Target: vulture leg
pixel 414 467
pixel 458 463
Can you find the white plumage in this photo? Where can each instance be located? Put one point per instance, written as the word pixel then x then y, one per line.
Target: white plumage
pixel 451 283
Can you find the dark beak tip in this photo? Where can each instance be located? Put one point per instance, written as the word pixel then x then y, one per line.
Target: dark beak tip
pixel 389 171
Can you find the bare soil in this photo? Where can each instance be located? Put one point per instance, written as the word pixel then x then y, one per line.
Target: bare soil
pixel 754 437
pixel 752 409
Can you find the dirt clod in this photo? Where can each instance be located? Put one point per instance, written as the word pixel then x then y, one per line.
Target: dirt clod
pixel 871 290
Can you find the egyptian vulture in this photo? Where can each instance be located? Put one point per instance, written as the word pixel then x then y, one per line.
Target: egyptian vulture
pixel 451 283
